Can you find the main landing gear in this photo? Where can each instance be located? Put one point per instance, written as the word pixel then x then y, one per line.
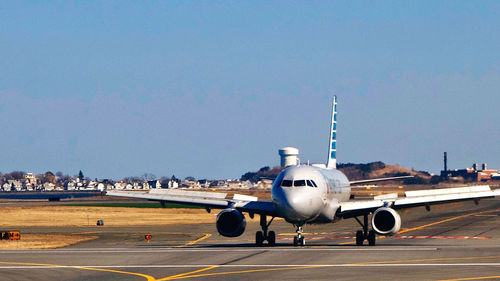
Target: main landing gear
pixel 363 234
pixel 299 240
pixel 261 236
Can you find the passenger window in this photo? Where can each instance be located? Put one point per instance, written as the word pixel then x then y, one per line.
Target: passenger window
pixel 299 183
pixel 314 184
pixel 286 183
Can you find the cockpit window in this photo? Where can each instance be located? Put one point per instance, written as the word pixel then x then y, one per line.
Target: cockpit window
pixel 299 183
pixel 311 183
pixel 286 183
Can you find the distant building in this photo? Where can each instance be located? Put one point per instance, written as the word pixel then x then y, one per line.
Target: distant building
pixel 204 183
pixel 70 185
pixel 169 184
pixel 154 184
pixel 30 178
pixel 471 174
pixel 190 184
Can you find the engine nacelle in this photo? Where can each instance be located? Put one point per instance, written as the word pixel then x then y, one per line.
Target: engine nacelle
pixel 231 223
pixel 386 221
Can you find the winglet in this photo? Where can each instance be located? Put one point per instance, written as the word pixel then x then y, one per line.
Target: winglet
pixel 332 149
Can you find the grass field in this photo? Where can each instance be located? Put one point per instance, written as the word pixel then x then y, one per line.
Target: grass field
pixel 43 241
pixel 67 216
pixel 137 205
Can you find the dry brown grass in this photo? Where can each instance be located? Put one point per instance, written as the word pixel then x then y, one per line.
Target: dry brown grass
pixel 43 241
pixel 58 216
pixel 394 169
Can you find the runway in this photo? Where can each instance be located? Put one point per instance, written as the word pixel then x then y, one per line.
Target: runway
pixel 458 241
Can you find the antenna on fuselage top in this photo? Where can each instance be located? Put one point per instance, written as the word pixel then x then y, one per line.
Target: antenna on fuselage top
pixel 332 144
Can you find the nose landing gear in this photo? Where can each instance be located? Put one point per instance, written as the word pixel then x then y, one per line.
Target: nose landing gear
pixel 261 236
pixel 361 235
pixel 299 240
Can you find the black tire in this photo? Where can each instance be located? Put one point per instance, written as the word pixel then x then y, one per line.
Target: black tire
pixel 259 238
pixel 371 238
pixel 359 238
pixel 272 238
pixel 295 241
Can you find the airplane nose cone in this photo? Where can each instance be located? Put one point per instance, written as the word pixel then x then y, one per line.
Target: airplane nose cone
pixel 298 204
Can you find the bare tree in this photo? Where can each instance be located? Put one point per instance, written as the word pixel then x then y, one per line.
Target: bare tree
pixel 148 177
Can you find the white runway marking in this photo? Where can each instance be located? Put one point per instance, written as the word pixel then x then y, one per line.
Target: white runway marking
pixel 185 250
pixel 246 265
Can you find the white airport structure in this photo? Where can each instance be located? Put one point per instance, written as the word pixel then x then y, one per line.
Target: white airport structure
pixel 289 156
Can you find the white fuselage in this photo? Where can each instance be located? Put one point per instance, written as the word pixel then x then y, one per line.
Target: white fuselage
pixel 307 194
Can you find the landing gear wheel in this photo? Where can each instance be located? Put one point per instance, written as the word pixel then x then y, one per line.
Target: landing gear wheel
pixel 371 238
pixel 259 238
pixel 299 239
pixel 359 238
pixel 271 239
pixel 302 241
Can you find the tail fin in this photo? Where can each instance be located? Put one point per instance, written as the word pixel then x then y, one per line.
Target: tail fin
pixel 332 150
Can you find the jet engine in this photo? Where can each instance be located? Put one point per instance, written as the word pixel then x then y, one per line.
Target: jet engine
pixel 231 223
pixel 385 221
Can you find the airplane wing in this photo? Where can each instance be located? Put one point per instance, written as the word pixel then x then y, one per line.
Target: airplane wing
pixel 209 200
pixel 379 179
pixel 417 198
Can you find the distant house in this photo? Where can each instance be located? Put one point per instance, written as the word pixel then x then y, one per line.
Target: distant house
pixel 48 186
pixel 218 183
pixel 139 185
pixel 70 185
pixel 234 184
pixel 15 185
pixel 263 184
pixel 120 185
pixel 204 183
pixel 30 178
pixel 246 184
pixel 100 186
pixel 190 184
pixel 169 184
pixel 154 184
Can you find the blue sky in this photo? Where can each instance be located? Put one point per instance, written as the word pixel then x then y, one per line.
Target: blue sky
pixel 214 89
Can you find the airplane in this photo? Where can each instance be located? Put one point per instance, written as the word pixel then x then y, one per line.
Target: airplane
pixel 313 194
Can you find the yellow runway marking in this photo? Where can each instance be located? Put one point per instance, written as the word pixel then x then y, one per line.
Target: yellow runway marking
pixel 178 276
pixel 33 264
pixel 486 215
pixel 445 220
pixel 247 271
pixel 148 277
pixel 423 260
pixel 434 223
pixel 186 275
pixel 473 278
pixel 205 236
